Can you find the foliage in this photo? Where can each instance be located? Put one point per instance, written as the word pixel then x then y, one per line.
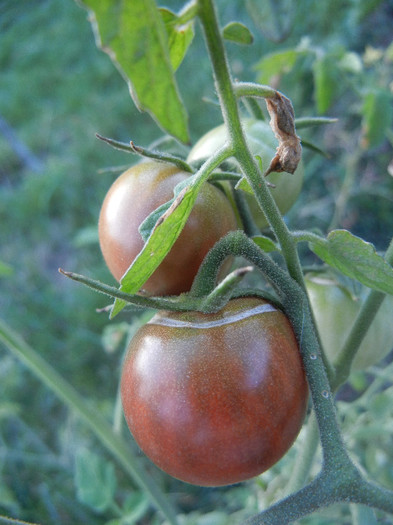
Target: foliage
pixel 332 59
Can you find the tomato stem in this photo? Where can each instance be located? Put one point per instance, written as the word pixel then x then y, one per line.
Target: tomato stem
pixel 227 92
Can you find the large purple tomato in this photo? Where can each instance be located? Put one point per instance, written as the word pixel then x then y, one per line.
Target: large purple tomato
pixel 215 399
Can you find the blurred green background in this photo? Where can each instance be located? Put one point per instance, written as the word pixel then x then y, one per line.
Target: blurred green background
pixel 56 91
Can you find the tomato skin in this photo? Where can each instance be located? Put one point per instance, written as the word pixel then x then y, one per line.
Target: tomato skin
pixel 132 197
pixel 215 405
pixel 262 142
pixel 335 310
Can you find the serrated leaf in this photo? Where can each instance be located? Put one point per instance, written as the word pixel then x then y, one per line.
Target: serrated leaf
pixel 266 244
pixel 355 258
pixel 325 82
pixel 377 116
pixel 238 33
pixel 95 481
pixel 158 245
pixel 134 36
pixel 179 37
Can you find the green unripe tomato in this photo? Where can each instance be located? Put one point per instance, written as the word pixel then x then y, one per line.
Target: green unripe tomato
pixel 262 142
pixel 335 310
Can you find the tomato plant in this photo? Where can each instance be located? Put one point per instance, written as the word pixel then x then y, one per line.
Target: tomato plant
pixel 137 193
pixel 217 398
pixel 262 142
pixel 214 399
pixel 335 308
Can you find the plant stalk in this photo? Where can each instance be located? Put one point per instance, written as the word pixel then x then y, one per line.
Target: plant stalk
pixel 89 415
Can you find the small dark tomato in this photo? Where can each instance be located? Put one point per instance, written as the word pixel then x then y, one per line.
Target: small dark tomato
pixel 132 197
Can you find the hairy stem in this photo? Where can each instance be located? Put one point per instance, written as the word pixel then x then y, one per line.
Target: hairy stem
pixel 229 107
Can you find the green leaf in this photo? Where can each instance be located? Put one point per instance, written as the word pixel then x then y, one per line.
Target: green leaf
pixel 159 243
pixel 325 82
pixel 134 36
pixel 179 36
pixel 135 507
pixel 266 244
pixel 238 33
pixel 377 117
pixel 145 229
pixel 148 224
pixel 277 63
pixel 355 258
pixel 6 270
pixel 95 481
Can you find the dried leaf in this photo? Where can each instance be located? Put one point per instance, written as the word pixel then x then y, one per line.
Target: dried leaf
pixel 282 122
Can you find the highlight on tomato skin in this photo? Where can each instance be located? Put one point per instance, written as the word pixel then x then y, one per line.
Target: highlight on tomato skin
pixel 132 197
pixel 215 399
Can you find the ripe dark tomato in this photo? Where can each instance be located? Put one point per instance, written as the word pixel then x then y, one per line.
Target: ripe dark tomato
pixel 215 399
pixel 132 197
pixel 262 142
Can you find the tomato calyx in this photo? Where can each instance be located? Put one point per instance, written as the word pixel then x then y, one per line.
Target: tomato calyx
pixel 146 153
